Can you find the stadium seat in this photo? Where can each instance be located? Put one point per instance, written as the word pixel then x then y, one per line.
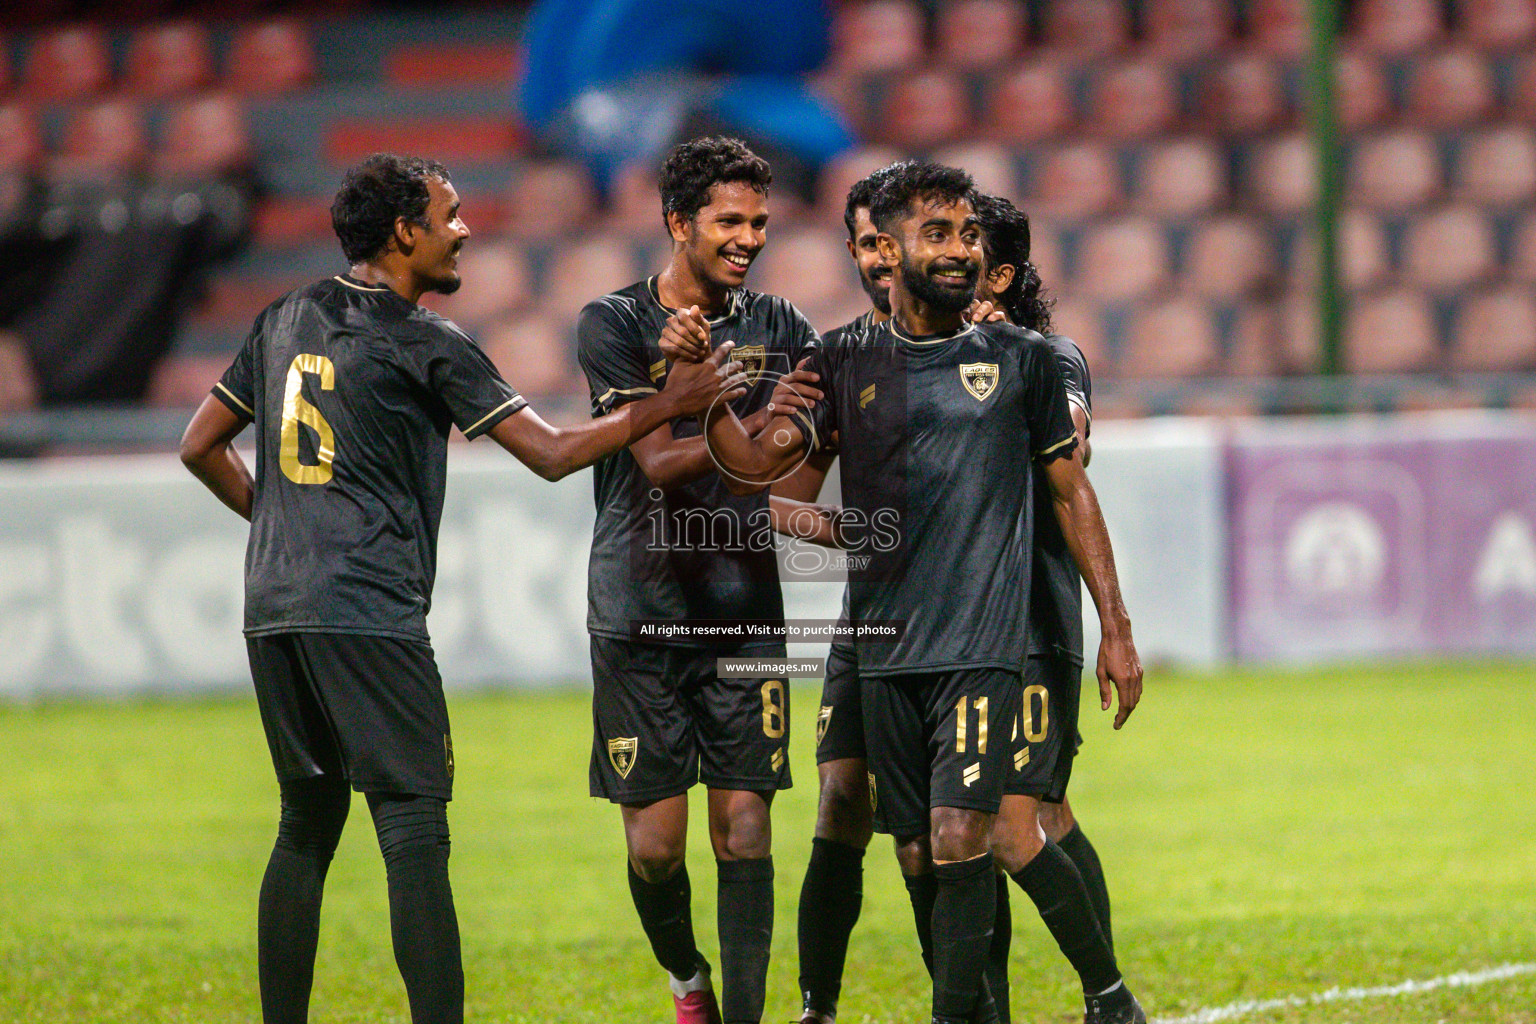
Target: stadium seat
pixel 550 197
pixel 1087 28
pixel 1496 25
pixel 1135 99
pixel 1180 178
pixel 1045 254
pixel 1396 27
pixel 468 63
pixel 583 269
pixel 926 109
pixel 1280 174
pixel 1522 91
pixel 1449 248
pixel 1450 89
pixel 21 142
pixel 169 59
pixel 1171 338
pixel 1083 321
pixel 1229 257
pixel 878 35
pixel 1188 28
pixel 1281 28
pixel 271 57
pixel 1364 263
pixel 67 64
pixel 1361 90
pixel 1497 166
pixel 1298 333
pixel 1391 331
pixel 534 354
pixel 103 140
pixel 809 268
pixel 1030 104
pixel 847 93
pixel 980 34
pixel 836 178
pixel 18 388
pixel 990 164
pixel 1522 265
pixel 1394 170
pixel 1256 344
pixel 497 283
pixel 1244 96
pixel 1076 181
pixel 182 381
pixel 204 137
pixel 1122 260
pixel 634 205
pixel 1495 331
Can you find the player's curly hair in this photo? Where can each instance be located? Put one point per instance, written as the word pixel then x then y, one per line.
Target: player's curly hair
pixel 1005 240
pixel 862 194
pixel 919 182
pixel 694 167
pixel 376 192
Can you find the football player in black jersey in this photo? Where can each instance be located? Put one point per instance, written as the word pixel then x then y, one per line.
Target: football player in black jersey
pixel 675 541
pixel 929 405
pixel 353 387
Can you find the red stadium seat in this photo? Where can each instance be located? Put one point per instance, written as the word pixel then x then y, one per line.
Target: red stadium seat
pixel 634 205
pixel 21 143
pixel 1245 96
pixel 1361 89
pixel 534 354
pixel 1045 254
pixel 1083 321
pixel 1522 267
pixel 1124 259
pixel 990 164
pixel 1397 27
pixel 1281 174
pixel 980 34
pixel 1298 333
pixel 1496 25
pixel 1450 248
pixel 1087 28
pixel 1171 338
pixel 204 137
pixel 1497 167
pixel 1392 331
pixel 809 268
pixel 1180 178
pixel 1450 89
pixel 1282 28
pixel 18 388
pixel 183 381
pixel 1030 104
pixel 103 140
pixel 1229 258
pixel 170 59
pixel 1256 343
pixel 68 64
pixel 271 57
pixel 1496 331
pixel 1188 28
pixel 1395 170
pixel 1362 254
pixel 584 269
pixel 926 109
pixel 878 35
pixel 550 198
pixel 1133 100
pixel 838 176
pixel 497 283
pixel 1076 181
pixel 1522 90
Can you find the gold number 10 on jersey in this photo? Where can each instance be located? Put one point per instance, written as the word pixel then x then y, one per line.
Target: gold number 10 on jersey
pixel 295 411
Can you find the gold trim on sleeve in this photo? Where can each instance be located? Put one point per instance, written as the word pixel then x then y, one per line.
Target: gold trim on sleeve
pixel 476 425
pixel 1064 441
pixel 236 399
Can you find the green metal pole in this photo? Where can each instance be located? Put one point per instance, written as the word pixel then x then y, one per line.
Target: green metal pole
pixel 1323 114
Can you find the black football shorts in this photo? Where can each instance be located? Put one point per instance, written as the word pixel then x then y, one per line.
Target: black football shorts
pixel 938 739
pixel 840 719
pixel 369 709
pixel 663 720
pixel 1045 736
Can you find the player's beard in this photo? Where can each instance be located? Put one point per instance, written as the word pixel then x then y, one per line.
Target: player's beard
pixel 879 292
pixel 941 297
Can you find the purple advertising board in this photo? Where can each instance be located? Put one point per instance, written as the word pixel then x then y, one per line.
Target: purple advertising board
pixel 1400 536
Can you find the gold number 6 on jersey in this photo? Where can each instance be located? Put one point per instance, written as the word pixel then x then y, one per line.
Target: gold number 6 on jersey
pixel 295 411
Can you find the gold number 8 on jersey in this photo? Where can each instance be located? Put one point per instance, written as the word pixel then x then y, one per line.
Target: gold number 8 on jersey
pixel 295 411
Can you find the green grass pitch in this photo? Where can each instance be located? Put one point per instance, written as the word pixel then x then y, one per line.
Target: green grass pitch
pixel 1265 835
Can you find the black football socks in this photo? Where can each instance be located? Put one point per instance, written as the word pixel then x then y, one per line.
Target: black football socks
pixel 830 899
pixel 964 907
pixel 997 956
pixel 413 836
pixel 745 921
pixel 1076 845
pixel 1051 880
pixel 921 890
pixel 288 910
pixel 666 914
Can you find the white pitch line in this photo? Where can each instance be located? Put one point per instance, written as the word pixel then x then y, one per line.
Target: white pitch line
pixel 1461 979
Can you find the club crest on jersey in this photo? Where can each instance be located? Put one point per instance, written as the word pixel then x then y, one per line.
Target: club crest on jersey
pixel 823 719
pixel 980 379
pixel 752 358
pixel 621 754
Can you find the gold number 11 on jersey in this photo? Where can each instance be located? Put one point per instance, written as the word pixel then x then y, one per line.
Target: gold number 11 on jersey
pixel 981 724
pixel 295 411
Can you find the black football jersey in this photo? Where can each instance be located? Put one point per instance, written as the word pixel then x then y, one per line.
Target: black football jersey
pixel 697 551
pixel 353 389
pixel 938 439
